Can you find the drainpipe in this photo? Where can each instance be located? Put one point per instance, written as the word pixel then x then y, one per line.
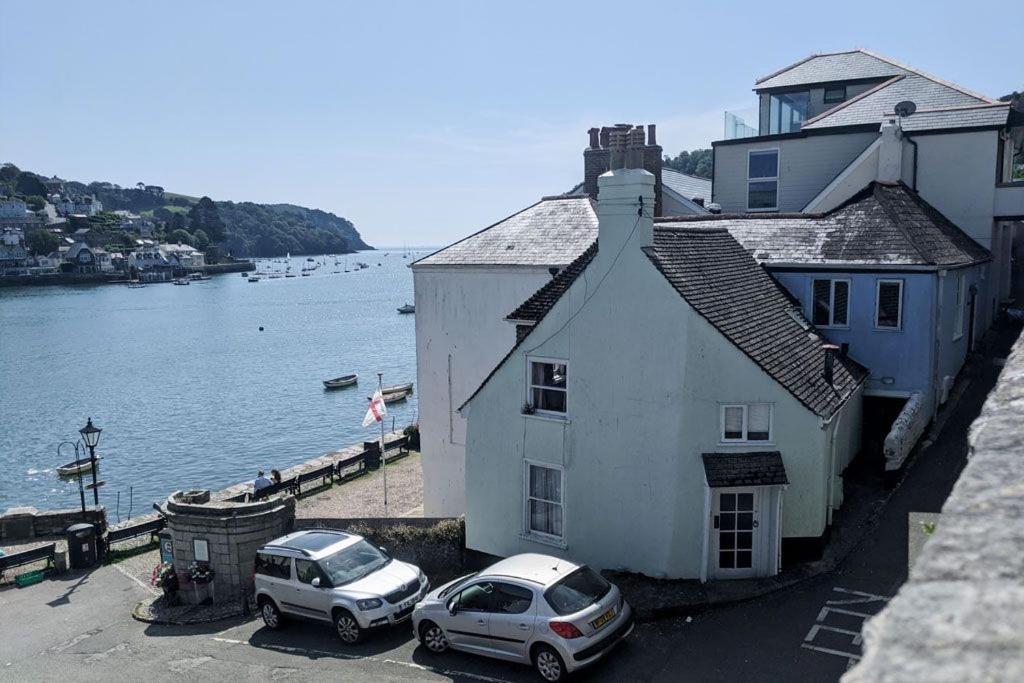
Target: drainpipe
pixel 913 182
pixel 940 280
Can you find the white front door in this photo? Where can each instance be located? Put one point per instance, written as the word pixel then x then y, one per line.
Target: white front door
pixel 736 533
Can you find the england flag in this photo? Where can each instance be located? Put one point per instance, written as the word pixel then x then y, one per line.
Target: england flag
pixel 377 410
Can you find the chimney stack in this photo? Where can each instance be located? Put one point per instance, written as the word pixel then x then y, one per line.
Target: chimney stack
pixel 890 153
pixel 830 362
pixel 642 152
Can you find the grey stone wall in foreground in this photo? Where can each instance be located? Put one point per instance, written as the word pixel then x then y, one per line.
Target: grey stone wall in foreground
pixel 960 616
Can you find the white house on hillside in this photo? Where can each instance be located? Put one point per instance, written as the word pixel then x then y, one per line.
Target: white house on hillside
pixel 667 408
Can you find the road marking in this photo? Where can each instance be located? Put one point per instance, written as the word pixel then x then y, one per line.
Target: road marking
pixel 863 599
pixel 856 639
pixel 829 651
pixel 821 627
pixel 449 673
pixel 74 641
pixel 825 610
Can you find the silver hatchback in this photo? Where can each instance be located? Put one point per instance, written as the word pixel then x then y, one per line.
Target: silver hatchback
pixel 557 615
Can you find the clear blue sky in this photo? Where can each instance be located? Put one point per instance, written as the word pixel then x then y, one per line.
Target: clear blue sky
pixel 421 121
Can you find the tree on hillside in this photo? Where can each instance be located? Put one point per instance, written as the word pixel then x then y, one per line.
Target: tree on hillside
pixel 42 241
pixel 200 239
pixel 697 162
pixel 35 202
pixel 8 174
pixel 180 236
pixel 204 216
pixel 28 184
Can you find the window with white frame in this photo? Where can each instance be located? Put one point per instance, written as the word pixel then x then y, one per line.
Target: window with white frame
pixel 746 422
pixel 544 500
pixel 958 325
pixel 763 180
pixel 889 304
pixel 548 386
pixel 831 305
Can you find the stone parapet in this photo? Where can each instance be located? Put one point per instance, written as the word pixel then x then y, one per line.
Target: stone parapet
pixel 960 616
pixel 26 523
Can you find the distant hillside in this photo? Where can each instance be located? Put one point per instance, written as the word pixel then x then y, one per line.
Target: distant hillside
pixel 248 229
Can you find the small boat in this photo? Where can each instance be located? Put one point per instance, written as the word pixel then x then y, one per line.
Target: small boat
pixel 289 274
pixel 199 277
pixel 393 397
pixel 341 382
pixel 305 273
pixel 398 388
pixel 180 281
pixel 135 284
pixel 254 278
pixel 408 308
pixel 75 467
pixel 274 276
pixel 310 259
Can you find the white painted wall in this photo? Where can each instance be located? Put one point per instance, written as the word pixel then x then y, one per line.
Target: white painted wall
pixel 646 378
pixel 461 335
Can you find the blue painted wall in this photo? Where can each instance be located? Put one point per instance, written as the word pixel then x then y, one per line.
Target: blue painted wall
pixel 905 355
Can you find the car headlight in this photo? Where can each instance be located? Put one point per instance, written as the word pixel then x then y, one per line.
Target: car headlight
pixel 372 603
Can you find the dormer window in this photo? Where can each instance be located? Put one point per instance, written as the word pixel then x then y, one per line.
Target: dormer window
pixel 834 94
pixel 787 111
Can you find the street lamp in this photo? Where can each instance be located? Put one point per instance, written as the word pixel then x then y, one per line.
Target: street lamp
pixel 91 437
pixel 78 476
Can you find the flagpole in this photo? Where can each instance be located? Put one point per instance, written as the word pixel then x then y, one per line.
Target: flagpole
pixel 383 460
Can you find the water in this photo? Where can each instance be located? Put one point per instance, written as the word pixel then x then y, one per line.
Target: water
pixel 189 393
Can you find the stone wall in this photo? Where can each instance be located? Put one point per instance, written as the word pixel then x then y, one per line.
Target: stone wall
pixel 233 532
pixel 960 616
pixel 434 544
pixel 24 523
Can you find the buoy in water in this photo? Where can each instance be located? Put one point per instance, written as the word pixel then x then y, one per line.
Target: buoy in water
pixel 261 328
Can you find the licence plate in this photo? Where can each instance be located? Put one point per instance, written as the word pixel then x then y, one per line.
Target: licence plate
pixel 603 619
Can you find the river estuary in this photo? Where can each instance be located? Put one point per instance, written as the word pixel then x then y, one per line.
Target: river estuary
pixel 187 389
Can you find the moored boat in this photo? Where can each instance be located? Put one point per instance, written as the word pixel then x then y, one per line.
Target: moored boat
pixel 393 397
pixel 180 281
pixel 341 382
pixel 254 278
pixel 408 308
pixel 75 467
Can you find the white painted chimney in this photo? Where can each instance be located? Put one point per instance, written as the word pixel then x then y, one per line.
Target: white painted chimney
pixel 890 152
pixel 625 197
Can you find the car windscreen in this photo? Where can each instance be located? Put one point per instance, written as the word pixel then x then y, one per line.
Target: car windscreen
pixel 353 562
pixel 456 584
pixel 577 591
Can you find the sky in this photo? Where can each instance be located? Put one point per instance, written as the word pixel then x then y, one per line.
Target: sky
pixel 421 122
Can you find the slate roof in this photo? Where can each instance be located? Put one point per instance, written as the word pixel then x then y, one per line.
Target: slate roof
pixel 829 67
pixel 534 308
pixel 723 283
pixel 970 116
pixel 689 186
pixel 552 232
pixel 883 225
pixel 871 106
pixel 763 468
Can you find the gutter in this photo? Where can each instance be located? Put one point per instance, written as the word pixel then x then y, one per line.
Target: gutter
pixel 866 267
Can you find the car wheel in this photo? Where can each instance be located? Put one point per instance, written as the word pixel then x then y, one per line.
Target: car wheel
pixel 548 664
pixel 271 615
pixel 432 637
pixel 347 627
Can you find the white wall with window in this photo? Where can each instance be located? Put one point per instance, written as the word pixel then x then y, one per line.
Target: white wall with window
pixel 889 304
pixel 830 303
pixel 763 180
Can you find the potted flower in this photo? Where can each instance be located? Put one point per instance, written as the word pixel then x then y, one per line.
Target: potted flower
pixel 166 579
pixel 200 572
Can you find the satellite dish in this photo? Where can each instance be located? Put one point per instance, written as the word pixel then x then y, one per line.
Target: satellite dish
pixel 905 108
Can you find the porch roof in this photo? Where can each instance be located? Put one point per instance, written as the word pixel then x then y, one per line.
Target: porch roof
pixel 762 468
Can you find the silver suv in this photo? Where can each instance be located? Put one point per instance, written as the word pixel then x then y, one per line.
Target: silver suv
pixel 559 615
pixel 336 577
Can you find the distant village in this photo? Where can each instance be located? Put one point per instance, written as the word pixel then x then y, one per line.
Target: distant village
pixel 80 251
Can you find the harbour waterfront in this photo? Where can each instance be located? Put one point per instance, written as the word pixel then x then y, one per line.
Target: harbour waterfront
pixel 188 390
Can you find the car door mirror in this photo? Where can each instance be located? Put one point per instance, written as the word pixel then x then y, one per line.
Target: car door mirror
pixel 383 550
pixel 315 583
pixel 453 607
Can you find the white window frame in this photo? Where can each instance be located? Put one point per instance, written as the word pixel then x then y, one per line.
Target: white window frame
pixel 744 440
pixel 527 531
pixel 961 299
pixel 899 313
pixel 775 178
pixel 832 301
pixel 530 386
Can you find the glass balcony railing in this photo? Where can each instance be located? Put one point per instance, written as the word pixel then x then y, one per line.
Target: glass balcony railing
pixel 737 127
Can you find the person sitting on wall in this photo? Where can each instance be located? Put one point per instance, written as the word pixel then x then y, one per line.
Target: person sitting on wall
pixel 261 482
pixel 275 476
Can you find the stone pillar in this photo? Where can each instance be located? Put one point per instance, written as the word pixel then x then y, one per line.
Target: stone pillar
pixel 232 531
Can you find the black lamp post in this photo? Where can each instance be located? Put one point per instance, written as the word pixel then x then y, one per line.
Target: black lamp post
pixel 81 490
pixel 91 437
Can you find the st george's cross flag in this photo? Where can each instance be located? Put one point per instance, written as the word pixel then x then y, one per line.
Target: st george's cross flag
pixel 377 410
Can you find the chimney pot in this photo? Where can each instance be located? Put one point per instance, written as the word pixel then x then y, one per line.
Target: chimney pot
pixel 595 141
pixel 830 362
pixel 651 138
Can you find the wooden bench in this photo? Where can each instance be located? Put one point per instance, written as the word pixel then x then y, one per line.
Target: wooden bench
pixel 123 534
pixel 20 559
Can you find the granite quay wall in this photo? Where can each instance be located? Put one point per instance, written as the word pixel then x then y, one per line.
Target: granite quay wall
pixel 960 616
pixel 25 523
pixel 435 544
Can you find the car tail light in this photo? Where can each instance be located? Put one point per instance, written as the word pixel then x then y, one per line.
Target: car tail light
pixel 565 629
